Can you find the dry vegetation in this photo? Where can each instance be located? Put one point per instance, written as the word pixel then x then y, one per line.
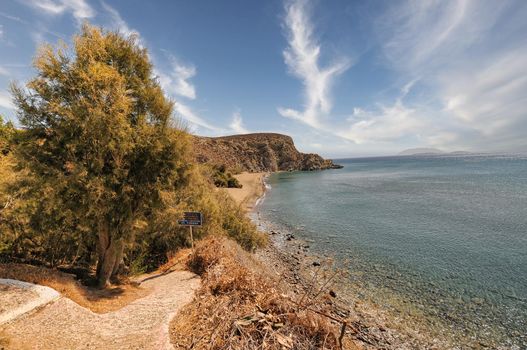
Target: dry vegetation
pixel 97 300
pixel 241 305
pixel 256 153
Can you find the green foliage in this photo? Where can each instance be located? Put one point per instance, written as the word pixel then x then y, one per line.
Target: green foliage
pixel 223 178
pixel 101 175
pixel 222 216
pixel 7 133
pixel 97 132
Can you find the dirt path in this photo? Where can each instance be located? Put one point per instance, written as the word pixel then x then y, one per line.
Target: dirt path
pixel 142 324
pixel 17 298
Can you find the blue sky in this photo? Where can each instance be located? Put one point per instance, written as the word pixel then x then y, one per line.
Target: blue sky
pixel 343 78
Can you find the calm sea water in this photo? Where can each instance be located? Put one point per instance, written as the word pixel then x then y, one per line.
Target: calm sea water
pixel 446 235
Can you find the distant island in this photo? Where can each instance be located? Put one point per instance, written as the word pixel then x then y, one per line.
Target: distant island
pixel 431 151
pixel 420 151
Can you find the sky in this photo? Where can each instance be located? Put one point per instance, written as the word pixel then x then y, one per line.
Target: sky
pixel 344 78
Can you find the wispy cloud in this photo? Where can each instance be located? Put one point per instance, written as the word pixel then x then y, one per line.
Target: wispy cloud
pixel 5 101
pixel 490 96
pixel 236 124
pixel 177 80
pixel 80 9
pixel 384 124
pixel 4 71
pixel 189 115
pixel 120 24
pixel 37 30
pixel 176 83
pixel 11 17
pixel 302 57
pixel 476 81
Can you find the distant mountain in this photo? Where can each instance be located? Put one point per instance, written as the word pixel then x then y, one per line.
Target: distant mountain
pixel 420 151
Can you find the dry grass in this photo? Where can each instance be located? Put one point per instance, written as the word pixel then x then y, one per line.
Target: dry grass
pixel 240 306
pixel 97 300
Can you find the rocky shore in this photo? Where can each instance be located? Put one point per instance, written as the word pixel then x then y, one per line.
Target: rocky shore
pixel 305 273
pixel 259 152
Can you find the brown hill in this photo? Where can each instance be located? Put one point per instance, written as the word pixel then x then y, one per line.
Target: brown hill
pixel 257 152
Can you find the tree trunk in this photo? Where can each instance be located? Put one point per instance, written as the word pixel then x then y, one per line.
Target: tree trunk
pixel 118 259
pixel 110 254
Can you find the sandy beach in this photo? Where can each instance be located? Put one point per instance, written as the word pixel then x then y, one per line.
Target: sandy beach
pixel 252 188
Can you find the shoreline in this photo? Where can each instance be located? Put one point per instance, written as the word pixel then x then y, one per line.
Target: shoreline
pixel 253 189
pixel 376 325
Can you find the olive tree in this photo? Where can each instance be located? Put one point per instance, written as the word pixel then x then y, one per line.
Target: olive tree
pixel 97 131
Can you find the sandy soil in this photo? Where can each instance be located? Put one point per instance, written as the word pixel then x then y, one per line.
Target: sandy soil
pixel 97 300
pixel 12 297
pixel 142 324
pixel 18 298
pixel 252 189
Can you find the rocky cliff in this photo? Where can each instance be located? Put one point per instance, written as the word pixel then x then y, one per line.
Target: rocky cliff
pixel 257 152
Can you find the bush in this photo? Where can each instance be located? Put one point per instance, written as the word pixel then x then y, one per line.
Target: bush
pixel 222 216
pixel 7 133
pixel 223 178
pixel 241 305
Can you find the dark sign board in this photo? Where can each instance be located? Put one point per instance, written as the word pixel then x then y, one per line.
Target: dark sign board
pixel 191 218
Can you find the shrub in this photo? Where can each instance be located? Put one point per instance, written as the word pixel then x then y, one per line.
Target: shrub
pixel 224 178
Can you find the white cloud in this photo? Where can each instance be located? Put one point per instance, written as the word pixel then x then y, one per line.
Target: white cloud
pixel 38 38
pixel 471 57
pixel 237 124
pixel 120 24
pixel 79 8
pixel 11 17
pixel 4 71
pixel 177 80
pixel 302 58
pixel 189 115
pixel 1 31
pixel 5 101
pixel 425 34
pixel 168 82
pixel 387 125
pixel 490 96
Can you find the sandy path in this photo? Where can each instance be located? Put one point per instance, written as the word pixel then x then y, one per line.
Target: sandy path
pixel 142 324
pixel 252 189
pixel 19 297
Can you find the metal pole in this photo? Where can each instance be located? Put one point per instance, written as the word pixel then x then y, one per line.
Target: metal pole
pixel 191 238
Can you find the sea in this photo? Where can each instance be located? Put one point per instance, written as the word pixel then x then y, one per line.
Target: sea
pixel 442 238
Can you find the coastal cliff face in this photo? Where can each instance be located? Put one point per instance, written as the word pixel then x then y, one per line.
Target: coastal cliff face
pixel 256 153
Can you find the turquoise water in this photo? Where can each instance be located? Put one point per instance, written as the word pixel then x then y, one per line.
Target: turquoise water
pixel 447 234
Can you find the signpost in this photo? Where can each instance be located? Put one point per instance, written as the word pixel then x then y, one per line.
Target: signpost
pixel 191 218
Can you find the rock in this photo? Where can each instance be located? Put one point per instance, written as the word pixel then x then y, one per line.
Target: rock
pixel 257 152
pixel 316 263
pixel 332 294
pixel 478 301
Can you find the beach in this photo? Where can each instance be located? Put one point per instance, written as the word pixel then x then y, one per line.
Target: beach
pixel 253 188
